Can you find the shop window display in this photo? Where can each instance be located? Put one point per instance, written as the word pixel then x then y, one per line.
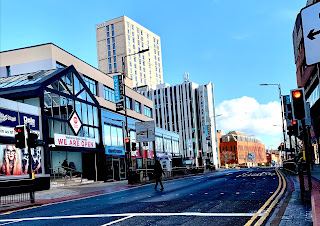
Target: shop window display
pixel 15 161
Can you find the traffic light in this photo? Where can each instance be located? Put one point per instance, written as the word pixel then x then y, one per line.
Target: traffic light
pixel 127 144
pixel 298 104
pixel 134 146
pixel 32 140
pixel 294 126
pixel 282 146
pixel 20 136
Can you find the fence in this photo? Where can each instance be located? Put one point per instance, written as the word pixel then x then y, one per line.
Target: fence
pixel 15 191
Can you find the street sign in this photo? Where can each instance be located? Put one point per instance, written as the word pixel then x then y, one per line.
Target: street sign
pixel 145 131
pixel 119 106
pixel 118 88
pixel 310 17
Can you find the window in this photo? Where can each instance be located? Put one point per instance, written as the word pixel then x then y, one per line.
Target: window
pixel 9 70
pixel 109 59
pixel 109 47
pixel 109 53
pixel 128 102
pixel 114 59
pixel 115 65
pixel 114 52
pixel 137 107
pixel 113 40
pixel 147 111
pixel 110 67
pixel 128 38
pixel 112 33
pixel 91 85
pixel 108 94
pixel 114 45
pixel 108 40
pixel 108 28
pixel 108 34
pixel 112 26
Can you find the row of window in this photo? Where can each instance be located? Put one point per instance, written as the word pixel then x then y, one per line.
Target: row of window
pixel 109 95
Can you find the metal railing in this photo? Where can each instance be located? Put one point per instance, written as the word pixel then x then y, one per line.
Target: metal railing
pixel 19 192
pixel 64 174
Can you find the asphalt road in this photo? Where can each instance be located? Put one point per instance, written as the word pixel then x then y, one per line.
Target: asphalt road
pixel 229 197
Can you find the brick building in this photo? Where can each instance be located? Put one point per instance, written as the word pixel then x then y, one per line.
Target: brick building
pixel 240 149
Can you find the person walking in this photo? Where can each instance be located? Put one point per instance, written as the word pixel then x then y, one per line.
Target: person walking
pixel 158 171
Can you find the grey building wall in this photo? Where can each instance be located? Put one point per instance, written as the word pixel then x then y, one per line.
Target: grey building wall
pixel 18 69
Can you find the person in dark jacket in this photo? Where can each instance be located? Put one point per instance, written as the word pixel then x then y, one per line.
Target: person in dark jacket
pixel 158 171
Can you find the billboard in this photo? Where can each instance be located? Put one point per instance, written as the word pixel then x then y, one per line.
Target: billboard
pixel 15 161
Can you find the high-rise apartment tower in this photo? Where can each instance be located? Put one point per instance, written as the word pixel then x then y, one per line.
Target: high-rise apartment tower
pixel 122 37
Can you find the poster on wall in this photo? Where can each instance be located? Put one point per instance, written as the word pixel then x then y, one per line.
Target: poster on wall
pixel 15 161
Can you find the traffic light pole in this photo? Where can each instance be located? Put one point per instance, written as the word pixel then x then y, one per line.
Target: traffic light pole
pixel 307 149
pixel 30 167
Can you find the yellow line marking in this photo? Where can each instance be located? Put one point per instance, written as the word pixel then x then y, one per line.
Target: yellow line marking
pixel 253 218
pixel 266 214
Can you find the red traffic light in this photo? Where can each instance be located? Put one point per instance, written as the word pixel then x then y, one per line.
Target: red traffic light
pixel 296 94
pixel 293 122
pixel 282 144
pixel 17 130
pixel 127 140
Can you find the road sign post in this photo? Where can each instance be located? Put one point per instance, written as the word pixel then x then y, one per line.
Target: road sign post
pixel 310 17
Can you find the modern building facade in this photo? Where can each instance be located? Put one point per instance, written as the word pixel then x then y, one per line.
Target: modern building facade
pixel 236 148
pixel 187 109
pixel 121 37
pixel 307 77
pixel 108 130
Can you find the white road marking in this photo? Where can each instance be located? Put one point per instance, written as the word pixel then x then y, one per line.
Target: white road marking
pixel 221 193
pixel 237 193
pixel 116 221
pixel 253 192
pixel 191 194
pixel 205 193
pixel 133 215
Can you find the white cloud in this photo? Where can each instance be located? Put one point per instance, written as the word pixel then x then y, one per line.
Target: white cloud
pixel 247 115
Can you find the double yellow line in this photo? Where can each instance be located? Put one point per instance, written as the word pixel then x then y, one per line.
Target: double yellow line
pixel 272 205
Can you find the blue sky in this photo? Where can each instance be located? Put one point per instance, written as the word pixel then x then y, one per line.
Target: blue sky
pixel 235 44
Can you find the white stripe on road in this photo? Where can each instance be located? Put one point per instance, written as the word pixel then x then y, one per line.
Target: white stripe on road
pixel 134 215
pixel 116 221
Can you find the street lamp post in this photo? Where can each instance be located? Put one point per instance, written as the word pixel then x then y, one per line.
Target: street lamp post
pixel 282 113
pixel 128 154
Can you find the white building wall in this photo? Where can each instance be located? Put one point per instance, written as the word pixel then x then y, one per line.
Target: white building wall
pixel 185 117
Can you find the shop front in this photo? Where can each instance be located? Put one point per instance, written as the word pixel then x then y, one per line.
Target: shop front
pixel 14 161
pixel 70 119
pixel 115 163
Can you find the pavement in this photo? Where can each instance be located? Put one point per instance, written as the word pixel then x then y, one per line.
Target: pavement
pixel 290 211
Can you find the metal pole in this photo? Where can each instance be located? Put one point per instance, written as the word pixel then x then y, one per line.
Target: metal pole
pixel 283 130
pixel 307 149
pixel 127 155
pixel 30 167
